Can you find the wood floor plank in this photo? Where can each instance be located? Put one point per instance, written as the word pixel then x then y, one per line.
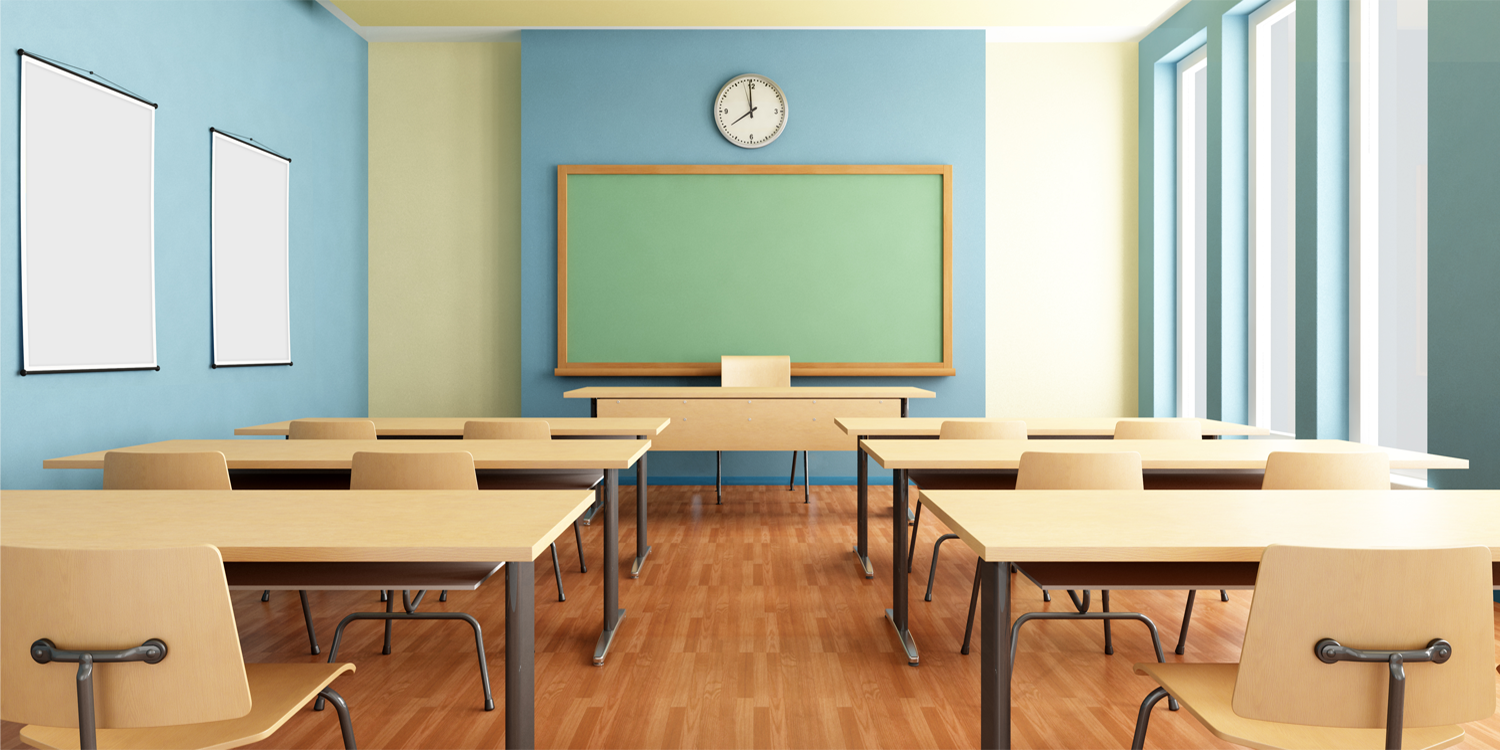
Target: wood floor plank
pixel 750 626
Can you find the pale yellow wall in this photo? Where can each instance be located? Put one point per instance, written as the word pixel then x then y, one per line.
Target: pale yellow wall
pixel 1060 226
pixel 445 229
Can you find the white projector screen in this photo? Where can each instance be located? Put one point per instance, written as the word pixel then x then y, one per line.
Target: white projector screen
pixel 88 296
pixel 252 303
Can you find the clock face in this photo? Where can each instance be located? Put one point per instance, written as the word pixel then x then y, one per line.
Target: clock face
pixel 750 111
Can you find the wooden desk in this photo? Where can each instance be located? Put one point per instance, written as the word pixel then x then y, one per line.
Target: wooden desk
pixel 752 419
pixel 337 455
pixel 368 526
pixel 1054 427
pixel 902 456
pixel 1171 526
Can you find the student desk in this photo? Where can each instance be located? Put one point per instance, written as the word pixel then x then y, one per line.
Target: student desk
pixel 1177 526
pixel 288 456
pixel 1208 456
pixel 644 428
pixel 322 526
pixel 751 419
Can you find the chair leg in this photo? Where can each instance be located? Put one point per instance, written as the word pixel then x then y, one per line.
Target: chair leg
pixel 383 597
pixel 1223 595
pixel 265 595
pixel 390 602
pixel 412 614
pixel 443 595
pixel 1109 641
pixel 932 572
pixel 973 602
pixel 312 636
pixel 557 573
pixel 1187 617
pixel 791 482
pixel 346 726
pixel 1144 717
pixel 1046 595
pixel 718 477
pixel 915 525
pixel 578 537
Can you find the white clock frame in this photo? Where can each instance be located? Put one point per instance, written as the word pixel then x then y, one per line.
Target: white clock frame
pixel 719 116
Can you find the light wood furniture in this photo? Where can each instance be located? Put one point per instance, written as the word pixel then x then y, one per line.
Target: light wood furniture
pixel 385 470
pixel 453 427
pixel 1157 429
pixel 1036 427
pixel 292 460
pixel 199 694
pixel 331 429
pixel 374 526
pixel 1282 693
pixel 751 419
pixel 507 429
pixel 538 429
pixel 1172 526
pixel 759 372
pixel 570 365
pixel 202 470
pixel 1173 464
pixel 1327 471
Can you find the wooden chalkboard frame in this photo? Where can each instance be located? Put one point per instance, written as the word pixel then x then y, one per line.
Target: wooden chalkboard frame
pixel 567 368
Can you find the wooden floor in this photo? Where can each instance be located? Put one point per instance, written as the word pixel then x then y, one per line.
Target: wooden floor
pixel 750 627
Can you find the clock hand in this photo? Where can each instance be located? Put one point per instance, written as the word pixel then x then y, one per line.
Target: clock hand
pixel 751 113
pixel 750 91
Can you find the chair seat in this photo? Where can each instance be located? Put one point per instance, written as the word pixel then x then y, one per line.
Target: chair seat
pixel 540 479
pixel 276 692
pixel 999 479
pixel 1207 692
pixel 358 576
pixel 1055 576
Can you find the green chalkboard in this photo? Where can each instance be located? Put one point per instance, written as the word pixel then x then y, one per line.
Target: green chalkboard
pixel 665 269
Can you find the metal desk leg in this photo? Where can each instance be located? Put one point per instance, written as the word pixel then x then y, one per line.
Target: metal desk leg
pixel 994 646
pixel 897 613
pixel 862 470
pixel 612 611
pixel 806 480
pixel 641 547
pixel 520 655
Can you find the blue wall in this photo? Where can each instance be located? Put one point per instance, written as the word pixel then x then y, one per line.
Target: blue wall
pixel 286 73
pixel 857 97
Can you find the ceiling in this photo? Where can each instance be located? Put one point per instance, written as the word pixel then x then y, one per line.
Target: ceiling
pixel 1003 20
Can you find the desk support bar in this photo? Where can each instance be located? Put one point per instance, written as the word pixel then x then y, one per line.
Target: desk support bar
pixel 520 655
pixel 44 651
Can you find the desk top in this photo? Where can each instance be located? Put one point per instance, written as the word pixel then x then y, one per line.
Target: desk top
pixel 1041 427
pixel 1155 454
pixel 1209 525
pixel 299 525
pixel 717 392
pixel 454 426
pixel 339 454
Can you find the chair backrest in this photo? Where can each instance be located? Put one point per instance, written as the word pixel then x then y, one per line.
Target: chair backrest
pixel 1158 429
pixel 203 470
pixel 983 429
pixel 331 429
pixel 113 600
pixel 1287 470
pixel 507 429
pixel 1378 599
pixel 1079 471
pixel 380 470
pixel 755 372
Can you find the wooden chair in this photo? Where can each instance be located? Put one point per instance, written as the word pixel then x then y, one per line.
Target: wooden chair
pixel 1294 685
pixel 167 609
pixel 1158 429
pixel 1327 471
pixel 758 372
pixel 536 429
pixel 331 429
pixel 976 429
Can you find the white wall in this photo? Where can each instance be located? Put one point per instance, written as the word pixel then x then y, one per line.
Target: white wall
pixel 1061 229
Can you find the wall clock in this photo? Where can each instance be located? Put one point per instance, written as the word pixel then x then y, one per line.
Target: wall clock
pixel 750 111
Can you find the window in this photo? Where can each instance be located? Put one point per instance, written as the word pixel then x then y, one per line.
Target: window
pixel 1192 234
pixel 1388 224
pixel 1273 217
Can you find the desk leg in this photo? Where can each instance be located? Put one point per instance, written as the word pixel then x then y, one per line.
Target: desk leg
pixel 612 611
pixel 897 613
pixel 862 470
pixel 994 646
pixel 520 655
pixel 641 547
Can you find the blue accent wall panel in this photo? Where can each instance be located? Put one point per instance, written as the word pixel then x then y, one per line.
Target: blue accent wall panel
pixel 285 72
pixel 856 97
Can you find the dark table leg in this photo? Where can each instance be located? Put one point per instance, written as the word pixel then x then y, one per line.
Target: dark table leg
pixel 897 613
pixel 520 655
pixel 612 611
pixel 641 547
pixel 994 665
pixel 862 471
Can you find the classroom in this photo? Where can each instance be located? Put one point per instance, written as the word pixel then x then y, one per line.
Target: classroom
pixel 836 349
